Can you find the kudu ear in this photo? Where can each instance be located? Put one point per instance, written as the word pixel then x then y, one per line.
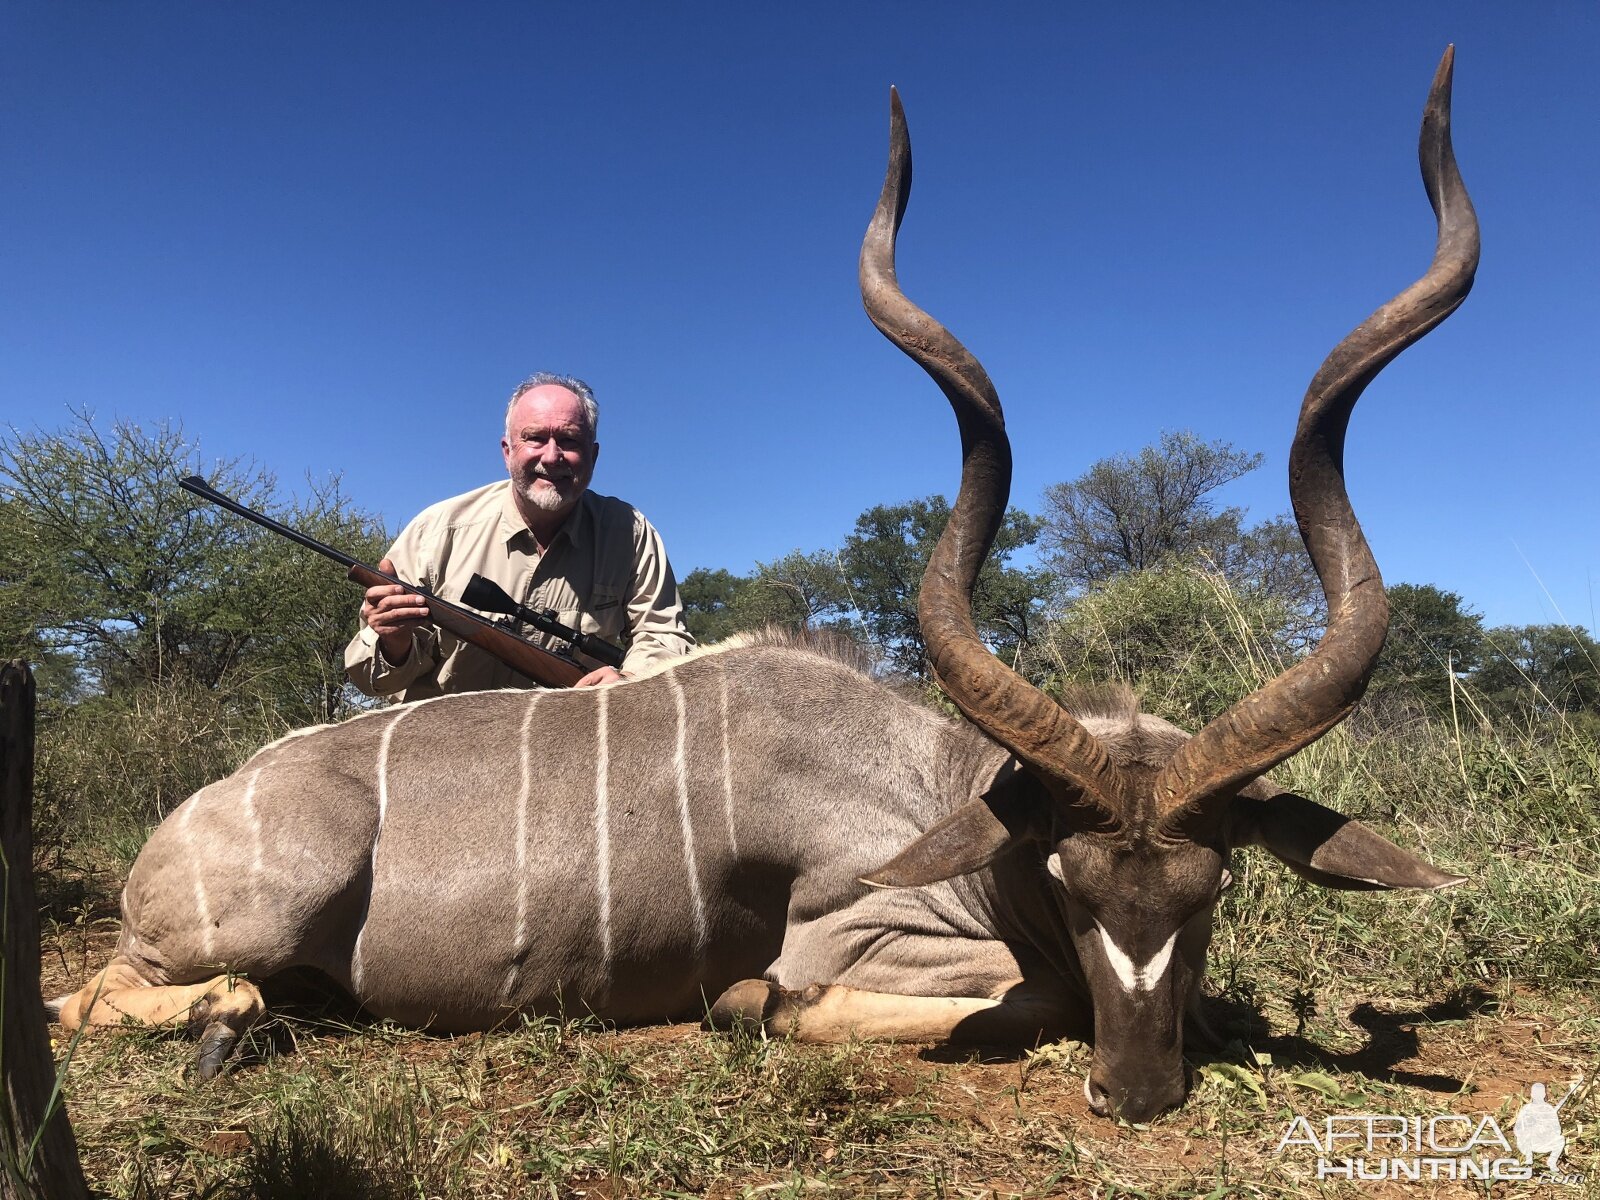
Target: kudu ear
pixel 1330 849
pixel 980 831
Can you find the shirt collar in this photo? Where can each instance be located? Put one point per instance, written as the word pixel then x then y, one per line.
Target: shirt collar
pixel 512 526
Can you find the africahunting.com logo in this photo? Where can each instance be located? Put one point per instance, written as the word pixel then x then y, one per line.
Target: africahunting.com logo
pixel 1390 1147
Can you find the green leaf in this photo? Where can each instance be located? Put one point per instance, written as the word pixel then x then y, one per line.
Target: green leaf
pixel 1325 1085
pixel 1231 1075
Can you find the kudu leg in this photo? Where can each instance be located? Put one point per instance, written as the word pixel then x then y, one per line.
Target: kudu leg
pixel 836 1013
pixel 219 1009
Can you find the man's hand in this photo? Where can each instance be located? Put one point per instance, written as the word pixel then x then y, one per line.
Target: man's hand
pixel 600 677
pixel 394 614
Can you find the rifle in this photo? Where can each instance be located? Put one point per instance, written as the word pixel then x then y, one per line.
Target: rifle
pixel 537 663
pixel 486 595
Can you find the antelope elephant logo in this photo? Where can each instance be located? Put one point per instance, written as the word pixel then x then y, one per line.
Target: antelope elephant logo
pixel 1537 1129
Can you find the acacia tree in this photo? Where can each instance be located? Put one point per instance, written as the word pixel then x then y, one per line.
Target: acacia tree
pixel 1134 513
pixel 1128 513
pixel 710 599
pixel 110 563
pixel 298 608
pixel 885 557
pixel 20 636
pixel 869 589
pixel 177 637
pixel 1268 560
pixel 1541 668
pixel 121 580
pixel 798 591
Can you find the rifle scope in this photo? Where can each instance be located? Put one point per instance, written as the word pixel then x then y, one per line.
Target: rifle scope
pixel 488 596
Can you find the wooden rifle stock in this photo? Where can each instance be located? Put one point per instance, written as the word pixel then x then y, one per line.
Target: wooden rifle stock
pixel 537 663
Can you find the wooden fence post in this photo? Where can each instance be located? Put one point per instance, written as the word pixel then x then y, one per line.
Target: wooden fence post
pixel 35 1163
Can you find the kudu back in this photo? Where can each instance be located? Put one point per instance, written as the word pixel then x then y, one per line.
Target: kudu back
pixel 766 824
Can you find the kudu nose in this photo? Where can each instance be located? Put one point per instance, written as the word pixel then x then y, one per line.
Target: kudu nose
pixel 1139 1101
pixel 1099 1099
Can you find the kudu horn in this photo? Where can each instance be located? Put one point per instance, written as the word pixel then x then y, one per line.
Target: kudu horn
pixel 993 696
pixel 1300 705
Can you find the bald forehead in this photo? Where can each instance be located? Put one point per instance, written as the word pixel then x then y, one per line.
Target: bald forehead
pixel 549 407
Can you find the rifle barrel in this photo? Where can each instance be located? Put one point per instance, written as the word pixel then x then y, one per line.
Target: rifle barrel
pixel 535 662
pixel 204 490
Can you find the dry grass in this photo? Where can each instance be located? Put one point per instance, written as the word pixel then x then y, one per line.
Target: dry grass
pixel 562 1109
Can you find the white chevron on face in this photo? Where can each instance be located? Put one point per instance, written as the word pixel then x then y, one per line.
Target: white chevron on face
pixel 1136 977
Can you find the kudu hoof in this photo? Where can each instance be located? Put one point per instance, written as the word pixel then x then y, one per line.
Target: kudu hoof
pixel 748 1006
pixel 216 1045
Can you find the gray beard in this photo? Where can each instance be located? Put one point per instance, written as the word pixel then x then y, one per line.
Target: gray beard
pixel 548 499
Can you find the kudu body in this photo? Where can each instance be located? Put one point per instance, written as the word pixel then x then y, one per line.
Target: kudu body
pixel 769 814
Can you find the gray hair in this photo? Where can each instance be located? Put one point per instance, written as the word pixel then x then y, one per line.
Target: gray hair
pixel 580 389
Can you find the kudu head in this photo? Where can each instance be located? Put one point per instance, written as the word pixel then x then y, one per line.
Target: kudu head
pixel 1137 831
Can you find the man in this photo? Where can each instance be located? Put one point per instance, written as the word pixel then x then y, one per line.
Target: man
pixel 541 535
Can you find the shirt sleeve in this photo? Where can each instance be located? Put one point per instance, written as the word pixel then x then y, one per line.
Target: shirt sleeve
pixel 364 661
pixel 655 612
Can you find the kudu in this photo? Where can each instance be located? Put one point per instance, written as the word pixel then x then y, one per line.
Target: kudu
pixel 633 851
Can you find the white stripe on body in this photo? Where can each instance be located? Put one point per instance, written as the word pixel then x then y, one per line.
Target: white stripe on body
pixel 356 968
pixel 201 899
pixel 519 940
pixel 727 766
pixel 257 867
pixel 602 833
pixel 680 766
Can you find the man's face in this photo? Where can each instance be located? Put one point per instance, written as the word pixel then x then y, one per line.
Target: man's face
pixel 548 449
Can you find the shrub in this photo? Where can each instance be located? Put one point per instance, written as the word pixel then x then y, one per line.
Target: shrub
pixel 1180 635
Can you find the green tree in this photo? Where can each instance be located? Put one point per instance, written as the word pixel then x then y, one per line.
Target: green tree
pixel 300 611
pixel 20 637
pixel 113 564
pixel 709 598
pixel 797 591
pixel 1157 508
pixel 1433 638
pixel 112 569
pixel 885 557
pixel 1541 668
pixel 1268 560
pixel 1128 513
pixel 178 637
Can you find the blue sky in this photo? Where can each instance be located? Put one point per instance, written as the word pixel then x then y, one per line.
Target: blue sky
pixel 333 237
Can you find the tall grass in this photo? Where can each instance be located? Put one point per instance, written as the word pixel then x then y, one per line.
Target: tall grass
pixel 1510 800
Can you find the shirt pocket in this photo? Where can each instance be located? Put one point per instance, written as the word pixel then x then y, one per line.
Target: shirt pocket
pixel 607 611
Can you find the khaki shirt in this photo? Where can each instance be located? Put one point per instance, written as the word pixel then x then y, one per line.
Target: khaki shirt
pixel 605 572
